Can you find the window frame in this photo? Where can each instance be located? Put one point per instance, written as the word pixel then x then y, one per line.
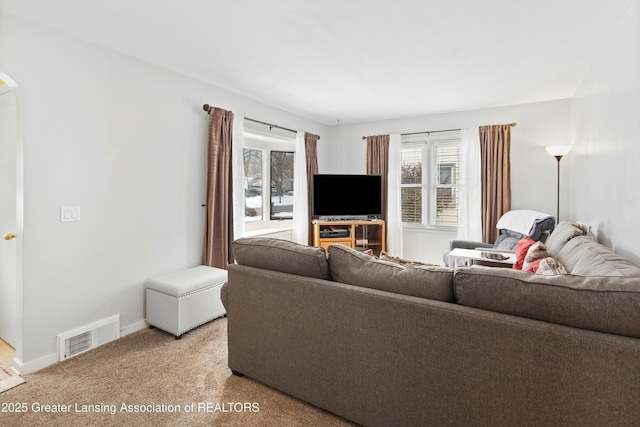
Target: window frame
pixel 267 142
pixel 246 184
pixel 430 175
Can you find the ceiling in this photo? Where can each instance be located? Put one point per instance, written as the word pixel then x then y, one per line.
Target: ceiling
pixel 354 60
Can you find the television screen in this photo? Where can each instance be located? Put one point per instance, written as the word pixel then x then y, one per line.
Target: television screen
pixel 347 195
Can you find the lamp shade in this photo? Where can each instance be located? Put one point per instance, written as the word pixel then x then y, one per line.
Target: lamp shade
pixel 559 150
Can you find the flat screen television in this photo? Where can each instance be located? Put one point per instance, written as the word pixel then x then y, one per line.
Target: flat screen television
pixel 347 195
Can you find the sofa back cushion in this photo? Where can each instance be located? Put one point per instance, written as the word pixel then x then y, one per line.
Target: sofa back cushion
pixel 584 257
pixel 282 255
pixel 605 304
pixel 564 232
pixel 356 268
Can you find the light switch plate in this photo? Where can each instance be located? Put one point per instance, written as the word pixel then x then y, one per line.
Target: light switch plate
pixel 69 213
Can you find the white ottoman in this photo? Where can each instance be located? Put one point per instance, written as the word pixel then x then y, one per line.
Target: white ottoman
pixel 179 302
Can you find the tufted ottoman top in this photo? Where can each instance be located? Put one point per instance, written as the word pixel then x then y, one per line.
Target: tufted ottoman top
pixel 185 281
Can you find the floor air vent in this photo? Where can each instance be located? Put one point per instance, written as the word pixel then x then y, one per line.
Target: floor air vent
pixel 90 336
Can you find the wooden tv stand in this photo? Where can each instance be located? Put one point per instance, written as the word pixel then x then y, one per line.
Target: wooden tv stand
pixel 355 234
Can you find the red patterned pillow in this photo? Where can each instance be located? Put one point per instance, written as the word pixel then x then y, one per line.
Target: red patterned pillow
pixel 522 247
pixel 533 266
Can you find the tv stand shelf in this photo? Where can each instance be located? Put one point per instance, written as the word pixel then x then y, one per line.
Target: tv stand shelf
pixel 355 234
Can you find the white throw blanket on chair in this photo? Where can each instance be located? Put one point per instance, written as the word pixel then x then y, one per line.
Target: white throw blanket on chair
pixel 522 221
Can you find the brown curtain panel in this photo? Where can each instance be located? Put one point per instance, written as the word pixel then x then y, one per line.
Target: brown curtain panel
pixel 378 164
pixel 311 152
pixel 495 150
pixel 218 228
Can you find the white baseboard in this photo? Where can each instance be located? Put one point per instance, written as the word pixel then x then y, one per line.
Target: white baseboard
pixel 134 327
pixel 37 364
pixel 50 359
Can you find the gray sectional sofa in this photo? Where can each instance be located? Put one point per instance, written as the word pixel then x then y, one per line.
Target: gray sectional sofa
pixel 383 344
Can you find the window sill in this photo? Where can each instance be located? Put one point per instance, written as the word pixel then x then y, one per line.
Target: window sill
pixel 266 231
pixel 421 227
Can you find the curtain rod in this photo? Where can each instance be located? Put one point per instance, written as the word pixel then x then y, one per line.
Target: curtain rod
pixel 207 108
pixel 434 131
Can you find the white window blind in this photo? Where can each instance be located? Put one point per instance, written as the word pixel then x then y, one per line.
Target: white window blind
pixel 411 184
pixel 447 163
pixel 429 180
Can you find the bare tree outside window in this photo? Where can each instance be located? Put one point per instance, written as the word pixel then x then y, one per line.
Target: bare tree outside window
pixel 253 185
pixel 282 185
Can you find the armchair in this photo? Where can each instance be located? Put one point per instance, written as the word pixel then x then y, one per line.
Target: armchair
pixel 513 226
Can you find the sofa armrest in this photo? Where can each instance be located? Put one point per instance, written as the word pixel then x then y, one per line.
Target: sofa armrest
pixel 468 244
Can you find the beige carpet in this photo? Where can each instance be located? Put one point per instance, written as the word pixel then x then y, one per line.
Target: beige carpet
pixel 150 367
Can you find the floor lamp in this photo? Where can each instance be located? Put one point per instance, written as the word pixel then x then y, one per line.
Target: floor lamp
pixel 558 151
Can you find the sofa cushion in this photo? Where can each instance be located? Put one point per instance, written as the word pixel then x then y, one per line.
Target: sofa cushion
pixel 282 255
pixel 564 232
pixel 605 304
pixel 582 256
pixel 355 268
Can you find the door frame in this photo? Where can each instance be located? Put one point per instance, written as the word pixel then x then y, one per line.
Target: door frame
pixel 19 321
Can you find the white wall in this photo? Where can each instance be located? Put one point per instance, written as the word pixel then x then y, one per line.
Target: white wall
pixel 606 130
pixel 125 141
pixel 533 171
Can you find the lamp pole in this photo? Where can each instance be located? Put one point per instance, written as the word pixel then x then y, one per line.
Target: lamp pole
pixel 558 158
pixel 558 151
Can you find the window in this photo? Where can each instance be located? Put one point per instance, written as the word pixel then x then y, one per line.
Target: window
pixel 268 179
pixel 446 187
pixel 411 184
pixel 281 184
pixel 253 187
pixel 429 179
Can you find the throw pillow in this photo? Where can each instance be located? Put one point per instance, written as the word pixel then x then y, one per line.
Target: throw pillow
pixel 521 251
pixel 536 252
pixel 532 267
pixel 550 267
